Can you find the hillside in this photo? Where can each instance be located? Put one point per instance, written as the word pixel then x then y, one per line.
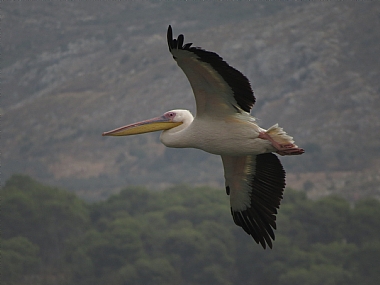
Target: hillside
pixel 72 70
pixel 180 236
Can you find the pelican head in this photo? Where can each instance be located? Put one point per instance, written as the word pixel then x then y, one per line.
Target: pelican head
pixel 169 120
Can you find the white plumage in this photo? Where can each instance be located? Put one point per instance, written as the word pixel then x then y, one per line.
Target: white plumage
pixel 254 176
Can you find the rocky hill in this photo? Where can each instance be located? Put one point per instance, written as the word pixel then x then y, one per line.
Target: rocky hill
pixel 72 70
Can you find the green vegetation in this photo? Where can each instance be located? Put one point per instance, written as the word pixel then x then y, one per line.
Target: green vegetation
pixel 180 236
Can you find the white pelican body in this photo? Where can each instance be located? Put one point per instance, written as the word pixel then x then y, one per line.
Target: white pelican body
pixel 232 135
pixel 254 176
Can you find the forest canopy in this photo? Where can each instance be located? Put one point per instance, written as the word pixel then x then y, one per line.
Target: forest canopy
pixel 181 235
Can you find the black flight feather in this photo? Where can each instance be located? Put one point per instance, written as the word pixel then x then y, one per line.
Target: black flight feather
pixel 267 184
pixel 238 83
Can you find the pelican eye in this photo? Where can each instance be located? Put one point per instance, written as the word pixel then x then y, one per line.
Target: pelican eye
pixel 170 115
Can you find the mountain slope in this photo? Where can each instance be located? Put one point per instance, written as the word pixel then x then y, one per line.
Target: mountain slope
pixel 73 70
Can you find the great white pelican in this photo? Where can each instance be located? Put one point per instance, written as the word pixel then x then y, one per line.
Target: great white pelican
pixel 254 176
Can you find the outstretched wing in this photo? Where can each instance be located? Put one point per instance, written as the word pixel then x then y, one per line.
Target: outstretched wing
pixel 218 88
pixel 255 185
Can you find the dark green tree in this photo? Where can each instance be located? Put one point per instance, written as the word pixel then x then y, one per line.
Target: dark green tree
pixel 19 260
pixel 45 216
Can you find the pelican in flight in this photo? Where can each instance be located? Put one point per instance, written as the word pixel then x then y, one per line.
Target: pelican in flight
pixel 254 176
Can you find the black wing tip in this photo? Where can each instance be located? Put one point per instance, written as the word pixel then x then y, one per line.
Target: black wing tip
pixel 169 37
pixel 260 231
pixel 176 43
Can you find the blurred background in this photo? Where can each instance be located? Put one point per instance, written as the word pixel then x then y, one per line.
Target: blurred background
pixel 74 69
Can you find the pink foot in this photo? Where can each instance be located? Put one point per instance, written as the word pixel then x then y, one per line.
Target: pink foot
pixel 282 149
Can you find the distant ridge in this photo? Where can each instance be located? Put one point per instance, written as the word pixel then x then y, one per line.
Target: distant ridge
pixel 74 71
